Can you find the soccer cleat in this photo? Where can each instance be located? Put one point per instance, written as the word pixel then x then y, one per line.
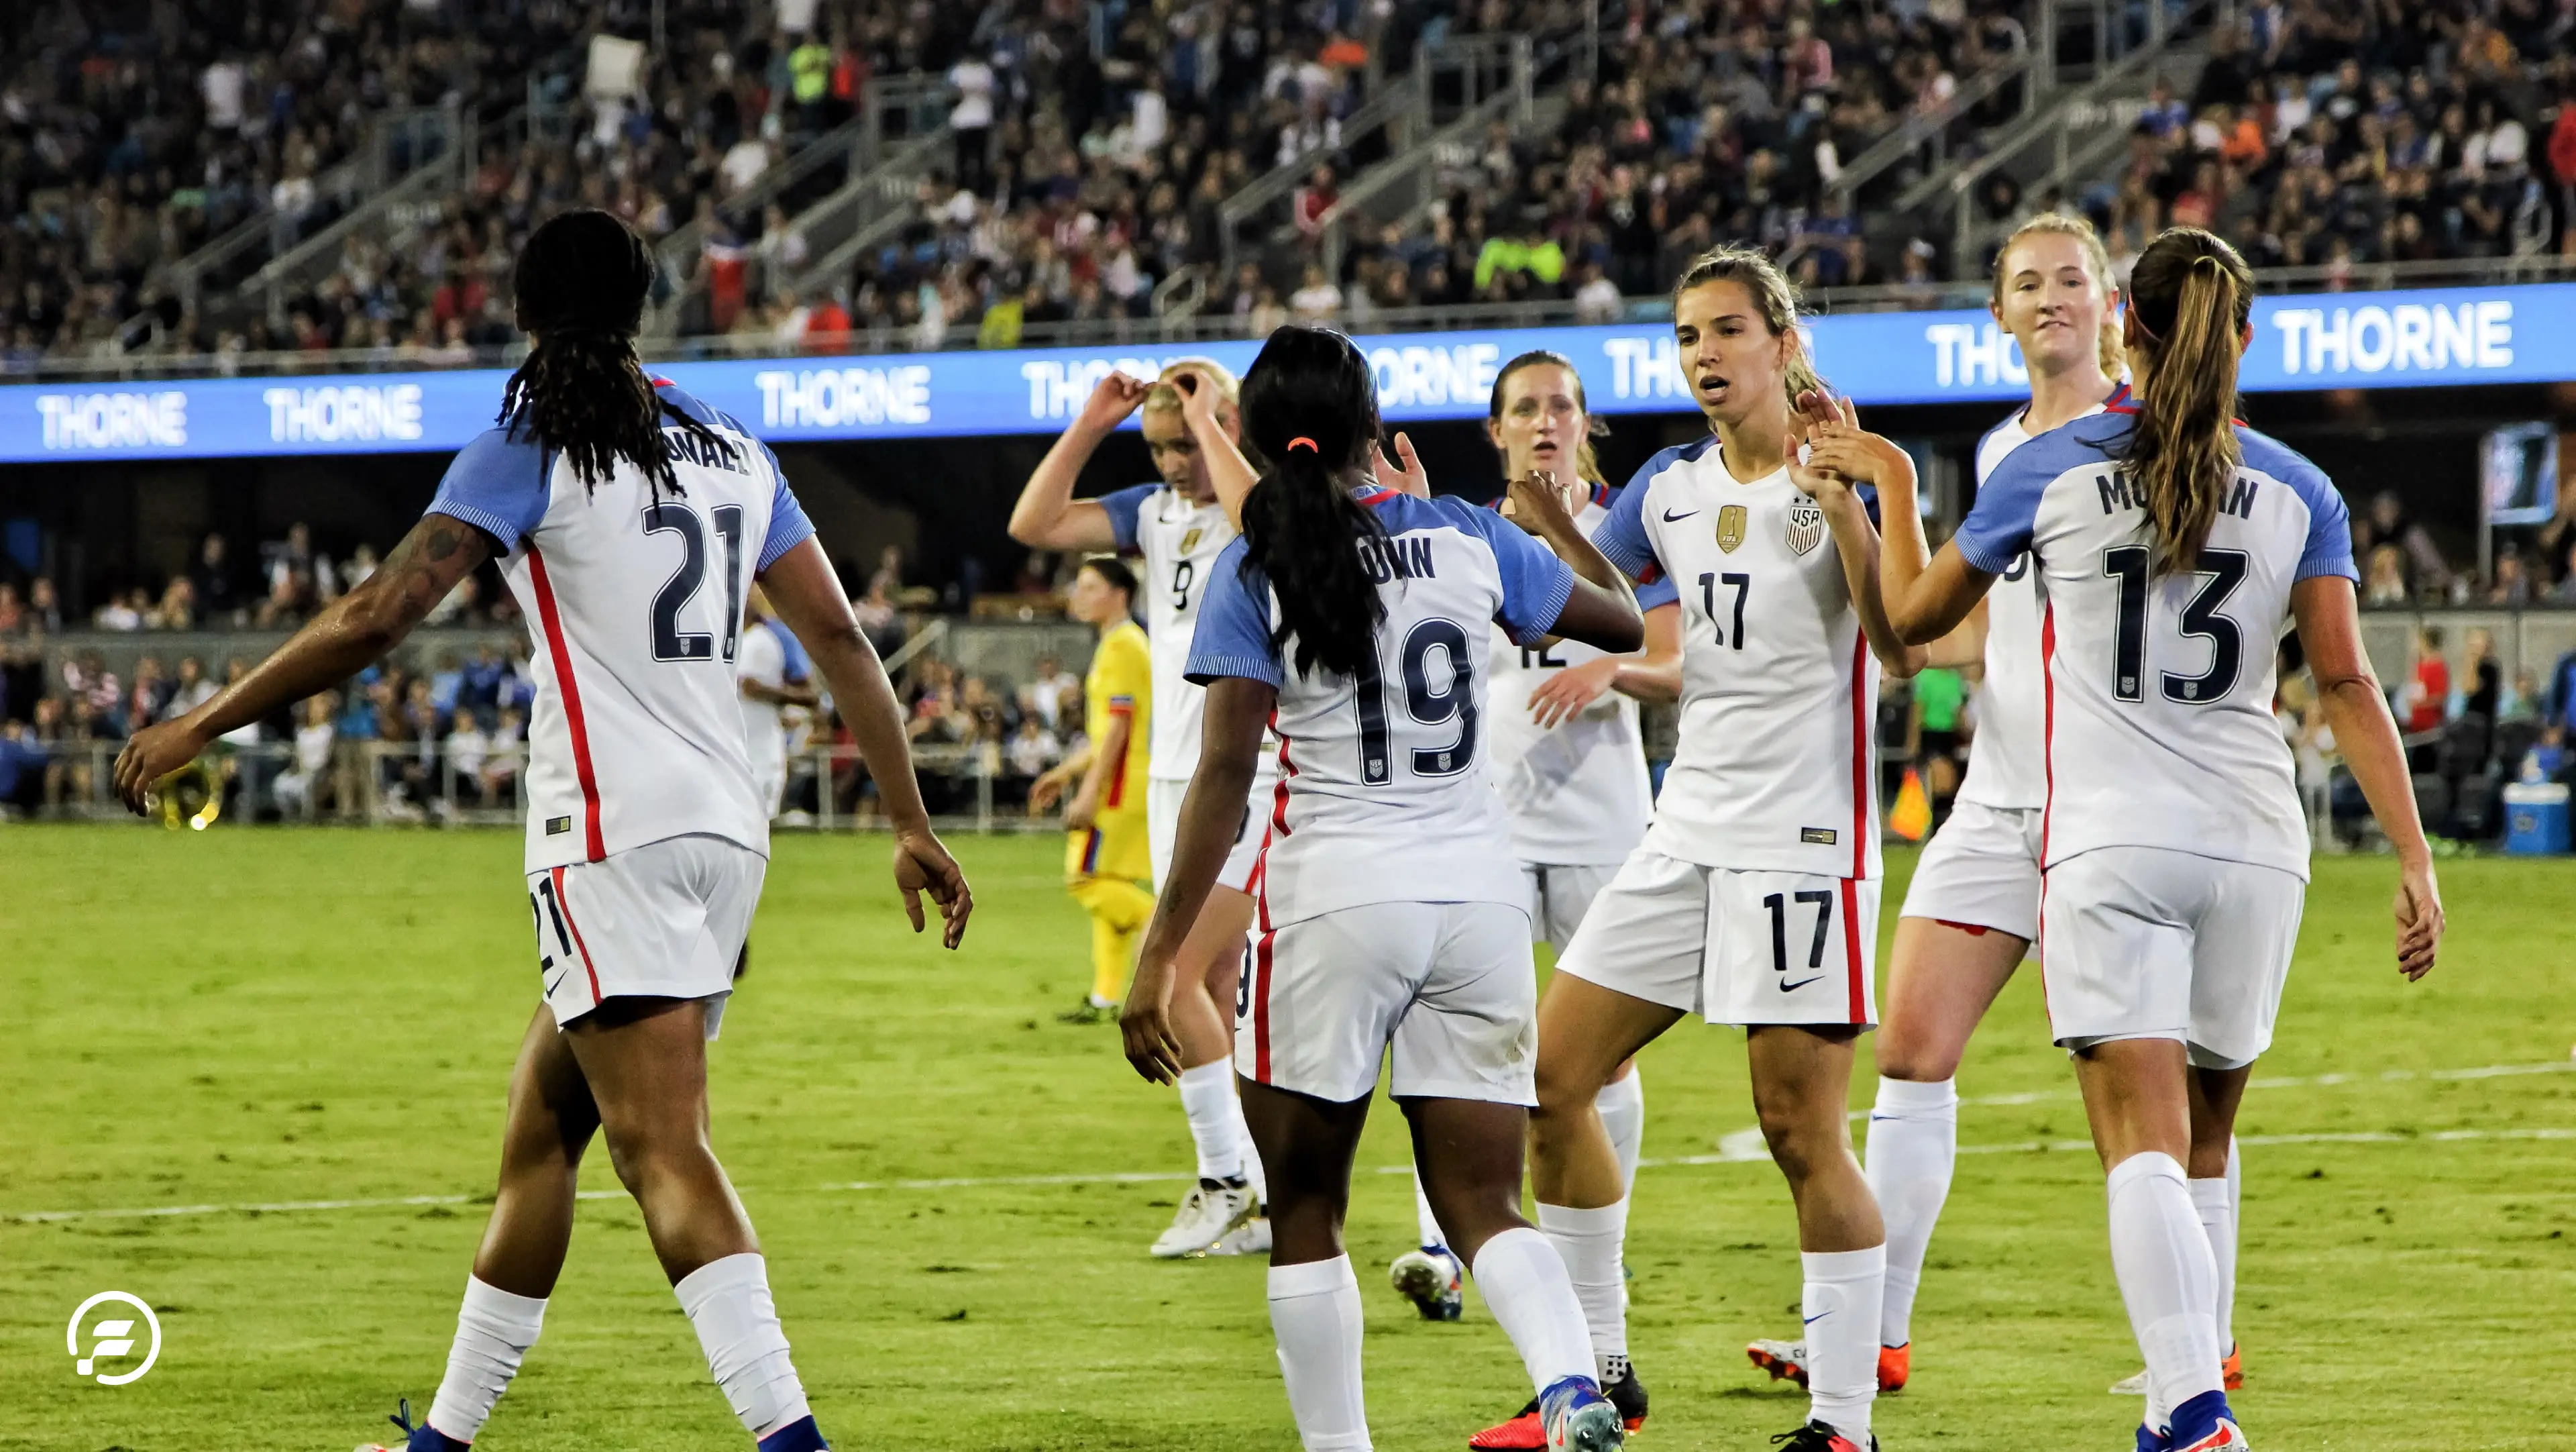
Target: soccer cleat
pixel 1252 1237
pixel 2205 1424
pixel 2151 1440
pixel 1819 1437
pixel 420 1438
pixel 1431 1278
pixel 1787 1361
pixel 2233 1367
pixel 1526 1433
pixel 1578 1418
pixel 1092 1009
pixel 800 1435
pixel 1207 1213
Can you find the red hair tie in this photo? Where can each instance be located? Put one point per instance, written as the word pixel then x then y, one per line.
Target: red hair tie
pixel 1302 439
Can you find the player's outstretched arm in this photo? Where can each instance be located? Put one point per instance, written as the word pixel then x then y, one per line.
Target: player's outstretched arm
pixel 1229 472
pixel 1229 745
pixel 2357 712
pixel 1047 516
pixel 1833 467
pixel 1652 675
pixel 350 634
pixel 807 595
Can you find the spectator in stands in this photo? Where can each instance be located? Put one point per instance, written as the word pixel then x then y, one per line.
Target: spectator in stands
pixel 299 789
pixel 2425 699
pixel 191 690
pixel 23 763
pixel 44 606
pixel 212 579
pixel 2386 584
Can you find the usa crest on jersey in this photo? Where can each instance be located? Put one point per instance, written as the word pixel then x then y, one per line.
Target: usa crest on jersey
pixel 1806 525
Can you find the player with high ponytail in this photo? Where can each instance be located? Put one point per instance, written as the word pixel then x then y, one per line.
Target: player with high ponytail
pixel 1353 615
pixel 2172 544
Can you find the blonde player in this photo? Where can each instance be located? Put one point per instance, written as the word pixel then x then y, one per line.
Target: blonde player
pixel 1972 911
pixel 1105 864
pixel 1393 923
pixel 629 520
pixel 1754 898
pixel 1176 529
pixel 2172 545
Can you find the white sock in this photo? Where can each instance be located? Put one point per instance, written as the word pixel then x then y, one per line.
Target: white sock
pixel 1913 1146
pixel 2235 1233
pixel 2168 1279
pixel 1589 1242
pixel 1315 1314
pixel 494 1329
pixel 1243 1136
pixel 1207 1097
pixel 1524 1282
pixel 1433 1237
pixel 1841 1301
pixel 728 1302
pixel 2218 1222
pixel 1622 1106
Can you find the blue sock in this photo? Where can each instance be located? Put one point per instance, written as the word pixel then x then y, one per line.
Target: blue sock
pixel 2150 1440
pixel 800 1435
pixel 2198 1418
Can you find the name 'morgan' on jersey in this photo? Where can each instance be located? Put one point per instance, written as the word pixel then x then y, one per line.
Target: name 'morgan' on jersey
pixel 635 597
pixel 1384 794
pixel 2159 688
pixel 1779 689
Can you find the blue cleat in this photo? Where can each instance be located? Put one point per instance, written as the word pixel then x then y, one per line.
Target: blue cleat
pixel 2151 1440
pixel 800 1435
pixel 1578 1418
pixel 420 1438
pixel 2205 1424
pixel 1433 1280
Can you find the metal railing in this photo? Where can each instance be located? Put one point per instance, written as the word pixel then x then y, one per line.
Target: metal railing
pixel 868 212
pixel 1402 189
pixel 1197 327
pixel 1398 112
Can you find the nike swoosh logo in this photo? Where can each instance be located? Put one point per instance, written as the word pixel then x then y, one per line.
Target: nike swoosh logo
pixel 550 985
pixel 1788 987
pixel 1812 1320
pixel 1669 516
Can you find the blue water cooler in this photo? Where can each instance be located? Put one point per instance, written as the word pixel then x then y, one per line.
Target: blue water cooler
pixel 2535 818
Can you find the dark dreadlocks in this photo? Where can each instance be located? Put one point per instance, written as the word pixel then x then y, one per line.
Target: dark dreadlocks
pixel 581 281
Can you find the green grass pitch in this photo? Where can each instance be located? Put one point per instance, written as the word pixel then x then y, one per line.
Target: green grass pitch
pixel 270 1016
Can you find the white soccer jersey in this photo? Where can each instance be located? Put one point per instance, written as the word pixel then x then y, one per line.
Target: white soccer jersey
pixel 2004 758
pixel 2158 690
pixel 1577 792
pixel 636 603
pixel 1180 541
pixel 1383 794
pixel 1779 691
pixel 761 658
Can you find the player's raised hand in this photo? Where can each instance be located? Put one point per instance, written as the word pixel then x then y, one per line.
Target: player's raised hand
pixel 1404 472
pixel 1568 693
pixel 1112 399
pixel 1145 1023
pixel 1536 502
pixel 153 753
pixel 922 864
pixel 1813 479
pixel 2419 920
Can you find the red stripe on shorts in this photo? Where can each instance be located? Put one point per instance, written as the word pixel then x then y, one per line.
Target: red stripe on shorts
pixel 1852 964
pixel 1261 1007
pixel 563 905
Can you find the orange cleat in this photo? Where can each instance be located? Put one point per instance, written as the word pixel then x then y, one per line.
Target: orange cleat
pixel 2234 1366
pixel 1895 1364
pixel 1787 1361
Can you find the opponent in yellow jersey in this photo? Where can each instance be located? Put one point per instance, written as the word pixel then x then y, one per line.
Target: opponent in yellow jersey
pixel 1107 865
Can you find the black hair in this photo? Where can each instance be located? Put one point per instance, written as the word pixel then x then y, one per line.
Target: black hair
pixel 1113 572
pixel 581 281
pixel 1302 528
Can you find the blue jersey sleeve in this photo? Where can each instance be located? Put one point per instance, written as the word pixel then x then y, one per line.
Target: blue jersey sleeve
pixel 1125 507
pixel 499 484
pixel 1622 536
pixel 1650 593
pixel 1536 584
pixel 788 526
pixel 1233 633
pixel 1998 527
pixel 2327 550
pixel 796 664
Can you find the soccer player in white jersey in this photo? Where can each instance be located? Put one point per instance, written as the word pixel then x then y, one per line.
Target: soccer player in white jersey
pixel 1570 761
pixel 1179 529
pixel 629 519
pixel 761 660
pixel 2172 545
pixel 1392 918
pixel 1972 910
pixel 1754 898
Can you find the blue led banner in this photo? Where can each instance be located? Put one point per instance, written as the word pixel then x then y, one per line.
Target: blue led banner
pixel 2449 336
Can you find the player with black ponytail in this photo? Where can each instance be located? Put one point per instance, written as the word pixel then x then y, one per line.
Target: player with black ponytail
pixel 581 282
pixel 1357 616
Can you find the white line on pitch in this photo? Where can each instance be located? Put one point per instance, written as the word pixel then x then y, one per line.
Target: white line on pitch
pixel 1743 1146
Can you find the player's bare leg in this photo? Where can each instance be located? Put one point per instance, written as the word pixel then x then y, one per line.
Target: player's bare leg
pixel 645 1061
pixel 2139 1097
pixel 550 1123
pixel 1801 1085
pixel 1219 1214
pixel 1306 1147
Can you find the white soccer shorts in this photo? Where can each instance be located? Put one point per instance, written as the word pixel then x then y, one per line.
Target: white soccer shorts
pixel 1737 947
pixel 1448 988
pixel 1560 895
pixel 2152 943
pixel 665 920
pixel 1163 826
pixel 1981 870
